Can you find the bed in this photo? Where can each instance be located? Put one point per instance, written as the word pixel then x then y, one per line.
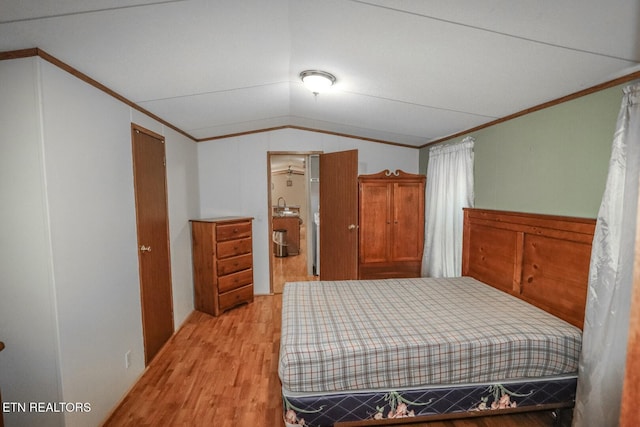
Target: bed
pixel 506 336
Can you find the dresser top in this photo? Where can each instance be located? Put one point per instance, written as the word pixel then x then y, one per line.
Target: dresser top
pixel 221 219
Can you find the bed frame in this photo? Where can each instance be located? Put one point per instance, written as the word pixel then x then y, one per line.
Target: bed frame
pixel 541 259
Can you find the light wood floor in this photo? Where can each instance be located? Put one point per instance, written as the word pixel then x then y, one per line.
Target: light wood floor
pixel 223 372
pixel 215 371
pixel 291 268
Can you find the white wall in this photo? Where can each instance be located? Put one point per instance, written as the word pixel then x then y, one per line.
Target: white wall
pixel 93 231
pixel 80 312
pixel 233 177
pixel 29 364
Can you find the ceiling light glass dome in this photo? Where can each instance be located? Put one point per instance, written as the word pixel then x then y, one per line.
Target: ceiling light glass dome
pixel 317 81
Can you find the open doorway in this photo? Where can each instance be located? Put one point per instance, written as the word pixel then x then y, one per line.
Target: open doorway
pixel 293 212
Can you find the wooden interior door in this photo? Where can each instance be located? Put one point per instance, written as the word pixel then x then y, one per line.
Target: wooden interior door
pixel 154 260
pixel 339 215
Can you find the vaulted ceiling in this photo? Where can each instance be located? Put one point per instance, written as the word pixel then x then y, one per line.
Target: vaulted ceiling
pixel 408 71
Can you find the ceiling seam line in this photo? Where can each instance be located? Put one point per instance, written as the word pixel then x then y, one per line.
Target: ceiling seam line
pixel 419 105
pixel 215 91
pixel 448 21
pixel 62 15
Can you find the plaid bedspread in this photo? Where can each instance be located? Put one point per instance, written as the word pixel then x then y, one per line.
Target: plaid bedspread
pixel 360 335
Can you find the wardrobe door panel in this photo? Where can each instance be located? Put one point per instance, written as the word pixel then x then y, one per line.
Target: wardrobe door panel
pixel 375 222
pixel 408 221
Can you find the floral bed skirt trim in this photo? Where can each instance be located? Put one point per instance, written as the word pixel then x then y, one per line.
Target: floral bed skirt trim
pixel 325 410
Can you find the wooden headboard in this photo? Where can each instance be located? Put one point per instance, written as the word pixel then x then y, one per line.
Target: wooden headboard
pixel 541 259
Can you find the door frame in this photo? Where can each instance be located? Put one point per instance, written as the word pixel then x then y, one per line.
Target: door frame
pixel 269 207
pixel 135 129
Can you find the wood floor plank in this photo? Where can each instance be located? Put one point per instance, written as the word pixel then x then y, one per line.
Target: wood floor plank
pixel 218 371
pixel 223 372
pixel 291 268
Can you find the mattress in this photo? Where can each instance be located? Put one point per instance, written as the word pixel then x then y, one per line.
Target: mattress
pixel 325 410
pixel 398 333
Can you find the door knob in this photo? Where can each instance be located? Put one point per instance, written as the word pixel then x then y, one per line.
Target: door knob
pixel 352 227
pixel 144 248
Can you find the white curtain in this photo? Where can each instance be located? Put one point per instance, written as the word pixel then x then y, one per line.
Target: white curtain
pixel 602 362
pixel 449 189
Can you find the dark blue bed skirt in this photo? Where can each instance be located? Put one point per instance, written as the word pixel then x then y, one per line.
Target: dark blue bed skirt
pixel 325 410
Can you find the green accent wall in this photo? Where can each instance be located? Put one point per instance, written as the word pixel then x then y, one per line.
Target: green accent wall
pixel 552 161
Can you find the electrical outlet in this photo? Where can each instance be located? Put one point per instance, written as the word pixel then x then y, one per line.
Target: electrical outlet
pixel 127 359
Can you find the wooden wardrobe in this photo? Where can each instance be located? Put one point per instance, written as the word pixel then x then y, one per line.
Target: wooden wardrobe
pixel 391 219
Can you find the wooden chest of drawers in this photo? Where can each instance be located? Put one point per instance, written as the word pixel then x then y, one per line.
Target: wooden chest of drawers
pixel 222 263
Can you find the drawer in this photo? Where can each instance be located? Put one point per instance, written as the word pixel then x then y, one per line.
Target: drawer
pixel 235 280
pixel 385 270
pixel 235 297
pixel 233 247
pixel 233 264
pixel 235 230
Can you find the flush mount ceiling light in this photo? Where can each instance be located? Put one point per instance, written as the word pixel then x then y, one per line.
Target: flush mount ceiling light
pixel 317 81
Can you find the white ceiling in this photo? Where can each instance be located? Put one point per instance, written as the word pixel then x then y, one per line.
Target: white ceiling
pixel 408 71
